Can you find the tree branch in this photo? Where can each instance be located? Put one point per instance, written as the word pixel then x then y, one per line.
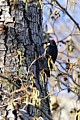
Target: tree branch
pixel 33 63
pixel 68 14
pixel 9 80
pixel 46 114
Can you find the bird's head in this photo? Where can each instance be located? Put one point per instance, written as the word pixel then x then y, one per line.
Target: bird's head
pixel 52 41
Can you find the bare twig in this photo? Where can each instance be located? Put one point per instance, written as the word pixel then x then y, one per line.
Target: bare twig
pixel 68 14
pixel 9 80
pixel 33 63
pixel 46 114
pixel 5 93
pixel 71 78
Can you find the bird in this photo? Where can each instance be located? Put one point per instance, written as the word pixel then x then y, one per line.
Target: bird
pixel 1 12
pixel 51 53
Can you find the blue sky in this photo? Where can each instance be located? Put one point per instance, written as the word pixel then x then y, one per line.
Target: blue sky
pixel 63 20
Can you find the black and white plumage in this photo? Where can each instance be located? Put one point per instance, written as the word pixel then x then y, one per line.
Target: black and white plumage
pixel 51 52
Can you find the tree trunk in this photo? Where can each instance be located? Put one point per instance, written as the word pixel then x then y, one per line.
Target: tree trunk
pixel 20 48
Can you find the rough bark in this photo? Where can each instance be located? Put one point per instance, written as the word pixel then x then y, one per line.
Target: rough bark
pixel 20 45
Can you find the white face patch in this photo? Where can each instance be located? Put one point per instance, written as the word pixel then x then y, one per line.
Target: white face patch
pixel 48 44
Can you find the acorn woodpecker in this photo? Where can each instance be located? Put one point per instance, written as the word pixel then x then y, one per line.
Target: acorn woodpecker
pixel 51 52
